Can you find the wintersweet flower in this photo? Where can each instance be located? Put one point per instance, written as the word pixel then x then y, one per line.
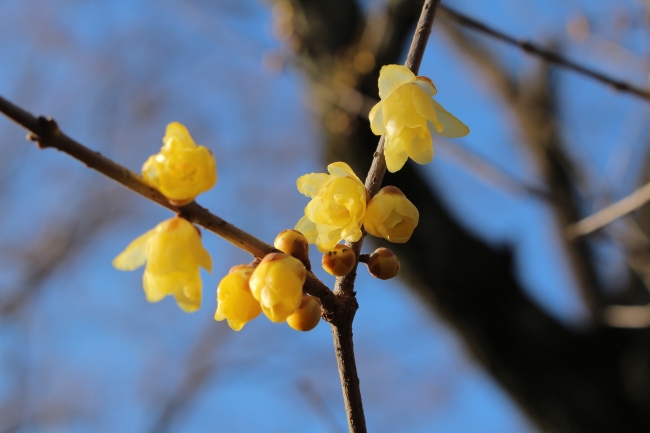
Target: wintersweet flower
pixel 408 114
pixel 173 253
pixel 391 216
pixel 337 206
pixel 277 283
pixel 234 299
pixel 181 170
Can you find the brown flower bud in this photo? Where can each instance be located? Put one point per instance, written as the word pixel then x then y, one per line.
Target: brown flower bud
pixel 307 316
pixel 339 261
pixel 294 243
pixel 383 264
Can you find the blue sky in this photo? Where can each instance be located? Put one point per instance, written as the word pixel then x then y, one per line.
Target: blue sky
pixel 90 354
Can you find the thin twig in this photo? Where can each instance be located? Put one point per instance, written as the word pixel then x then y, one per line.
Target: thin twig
pixel 344 288
pixel 545 54
pixel 47 134
pixel 611 213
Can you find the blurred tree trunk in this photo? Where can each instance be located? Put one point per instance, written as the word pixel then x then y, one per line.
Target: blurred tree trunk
pixel 597 380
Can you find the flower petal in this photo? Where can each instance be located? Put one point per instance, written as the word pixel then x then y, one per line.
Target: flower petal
pixel 351 232
pixel 376 118
pixel 178 131
pixel 395 154
pixel 341 169
pixel 202 257
pixel 424 106
pixel 189 298
pixel 307 228
pixel 393 76
pixel 426 84
pixel 420 149
pixel 311 184
pixel 328 237
pixel 452 127
pixel 135 254
pixel 152 287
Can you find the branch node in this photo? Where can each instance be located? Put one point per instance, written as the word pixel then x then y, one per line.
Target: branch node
pixel 49 130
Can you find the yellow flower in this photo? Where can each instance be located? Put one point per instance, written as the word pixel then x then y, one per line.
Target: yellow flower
pixel 408 114
pixel 391 216
pixel 173 253
pixel 337 207
pixel 235 301
pixel 181 170
pixel 277 284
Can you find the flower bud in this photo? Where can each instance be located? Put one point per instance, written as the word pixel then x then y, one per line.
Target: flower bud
pixel 294 243
pixel 234 299
pixel 339 261
pixel 391 216
pixel 277 284
pixel 383 264
pixel 307 316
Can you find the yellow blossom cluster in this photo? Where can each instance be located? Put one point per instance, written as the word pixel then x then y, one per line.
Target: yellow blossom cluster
pixel 340 209
pixel 340 205
pixel 174 254
pixel 172 251
pixel 274 287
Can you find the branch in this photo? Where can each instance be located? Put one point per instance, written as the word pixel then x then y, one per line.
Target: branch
pixel 342 329
pixel 546 55
pixel 609 214
pixel 47 134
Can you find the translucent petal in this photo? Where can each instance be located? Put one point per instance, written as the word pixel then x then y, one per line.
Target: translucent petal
pixel 152 289
pixel 452 127
pixel 407 209
pixel 135 254
pixel 150 171
pixel 312 184
pixel 376 118
pixel 235 326
pixel 341 169
pixel 351 232
pixel 369 224
pixel 307 228
pixel 176 130
pixel 420 149
pixel 395 155
pixel 328 237
pixel 393 76
pixel 397 111
pixel 219 315
pixel 426 85
pixel 424 106
pixel 202 256
pixel 186 304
